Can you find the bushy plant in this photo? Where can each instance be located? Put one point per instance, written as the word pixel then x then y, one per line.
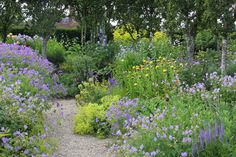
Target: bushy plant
pixel 150 79
pixel 170 130
pixel 91 92
pixel 208 62
pixel 55 52
pixel 70 82
pixel 205 39
pixel 91 118
pixel 27 85
pixel 88 115
pixel 231 68
pixel 126 61
pixel 85 62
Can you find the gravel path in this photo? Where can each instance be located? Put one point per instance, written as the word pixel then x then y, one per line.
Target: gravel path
pixel 70 144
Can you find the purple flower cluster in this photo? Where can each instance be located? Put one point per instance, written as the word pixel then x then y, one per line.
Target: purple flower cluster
pixel 24 38
pixel 209 135
pixel 26 87
pixel 165 134
pixel 218 87
pixel 122 113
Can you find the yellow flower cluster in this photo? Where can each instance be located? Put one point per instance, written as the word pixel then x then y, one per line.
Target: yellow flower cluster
pixel 10 35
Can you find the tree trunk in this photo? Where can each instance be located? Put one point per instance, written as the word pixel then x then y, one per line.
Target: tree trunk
pixel 4 34
pixel 82 34
pixel 223 56
pixel 190 47
pixel 44 48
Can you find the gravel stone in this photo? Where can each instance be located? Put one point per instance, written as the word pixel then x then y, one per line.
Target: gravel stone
pixel 70 144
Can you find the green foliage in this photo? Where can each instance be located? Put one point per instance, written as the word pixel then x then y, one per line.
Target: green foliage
pixel 91 92
pixel 55 52
pixel 208 62
pixel 70 83
pixel 86 117
pixel 87 61
pixel 126 61
pixel 6 16
pixel 231 69
pixel 205 39
pixel 232 45
pixel 150 79
pixel 109 100
pixel 91 117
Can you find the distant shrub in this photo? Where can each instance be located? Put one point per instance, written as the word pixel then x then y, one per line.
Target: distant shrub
pixel 55 52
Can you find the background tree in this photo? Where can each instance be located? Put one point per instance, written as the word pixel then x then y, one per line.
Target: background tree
pixel 94 18
pixel 185 15
pixel 221 20
pixel 10 13
pixel 44 15
pixel 138 15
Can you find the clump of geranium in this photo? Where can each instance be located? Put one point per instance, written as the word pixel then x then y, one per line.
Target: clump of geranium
pixel 170 130
pixel 27 84
pixel 215 88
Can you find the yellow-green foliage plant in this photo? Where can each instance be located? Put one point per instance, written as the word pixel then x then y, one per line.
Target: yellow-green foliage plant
pixel 109 100
pixel 91 118
pixel 91 92
pixel 86 117
pixel 124 37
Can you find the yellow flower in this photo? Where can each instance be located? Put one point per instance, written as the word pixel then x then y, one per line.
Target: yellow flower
pixel 144 61
pixel 147 75
pixel 157 67
pixel 147 68
pixel 164 70
pixel 151 62
pixel 14 36
pixel 171 66
pixel 135 84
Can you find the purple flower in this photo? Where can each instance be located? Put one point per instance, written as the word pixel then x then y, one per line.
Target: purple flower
pixel 133 150
pixel 26 151
pixel 5 140
pixel 187 140
pixel 17 133
pixel 184 154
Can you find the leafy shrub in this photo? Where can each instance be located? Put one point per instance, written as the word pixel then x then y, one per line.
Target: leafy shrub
pixel 91 92
pixel 208 62
pixel 55 52
pixel 205 40
pixel 26 88
pixel 150 79
pixel 231 69
pixel 91 118
pixel 123 37
pixel 169 131
pixel 70 82
pixel 87 61
pixel 124 62
pixel 86 117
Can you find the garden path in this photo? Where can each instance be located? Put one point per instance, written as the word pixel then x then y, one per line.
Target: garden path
pixel 70 144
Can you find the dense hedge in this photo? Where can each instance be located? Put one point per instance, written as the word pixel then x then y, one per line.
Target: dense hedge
pixel 66 36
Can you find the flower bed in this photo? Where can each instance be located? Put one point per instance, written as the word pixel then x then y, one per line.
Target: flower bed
pixel 27 85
